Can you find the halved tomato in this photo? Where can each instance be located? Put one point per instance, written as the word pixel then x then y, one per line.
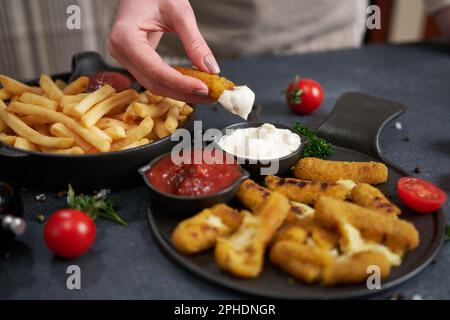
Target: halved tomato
pixel 420 195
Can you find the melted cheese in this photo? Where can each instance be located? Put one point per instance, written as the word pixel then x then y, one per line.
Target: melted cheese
pixel 216 222
pixel 354 243
pixel 348 184
pixel 306 211
pixel 246 232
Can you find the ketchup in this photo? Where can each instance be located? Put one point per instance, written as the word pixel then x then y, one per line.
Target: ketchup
pixel 118 80
pixel 206 177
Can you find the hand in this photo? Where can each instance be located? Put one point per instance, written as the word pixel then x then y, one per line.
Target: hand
pixel 136 32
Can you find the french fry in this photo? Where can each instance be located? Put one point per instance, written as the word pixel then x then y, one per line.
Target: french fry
pixel 43 129
pixel 38 100
pixel 122 99
pixel 61 84
pixel 100 132
pixel 87 103
pixel 73 150
pixel 15 87
pixel 149 110
pixel 152 98
pixel 181 120
pixel 60 130
pixel 50 88
pixel 143 98
pixel 5 138
pixel 4 94
pixel 118 116
pixel 135 134
pixel 106 122
pixel 115 133
pixel 130 116
pixel 186 110
pixel 93 138
pixel 34 120
pixel 24 144
pixel 22 129
pixel 77 86
pixel 160 129
pixel 171 122
pixel 3 126
pixel 136 144
pixel 68 102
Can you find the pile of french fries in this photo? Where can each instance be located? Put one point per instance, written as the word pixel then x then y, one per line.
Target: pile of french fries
pixel 62 118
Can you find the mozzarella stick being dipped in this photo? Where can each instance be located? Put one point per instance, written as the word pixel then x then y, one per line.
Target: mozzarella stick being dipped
pixel 235 99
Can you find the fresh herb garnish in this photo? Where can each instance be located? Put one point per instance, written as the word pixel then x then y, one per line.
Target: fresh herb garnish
pixel 447 232
pixel 94 206
pixel 317 147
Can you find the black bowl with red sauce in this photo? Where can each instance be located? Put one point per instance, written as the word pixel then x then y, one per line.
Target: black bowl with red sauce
pixel 187 186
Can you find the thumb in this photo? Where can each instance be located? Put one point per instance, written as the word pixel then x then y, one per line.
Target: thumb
pixel 195 46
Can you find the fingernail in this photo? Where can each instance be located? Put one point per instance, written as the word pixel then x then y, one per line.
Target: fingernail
pixel 211 64
pixel 203 91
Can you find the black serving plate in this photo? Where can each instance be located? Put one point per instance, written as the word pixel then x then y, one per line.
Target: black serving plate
pixel 355 122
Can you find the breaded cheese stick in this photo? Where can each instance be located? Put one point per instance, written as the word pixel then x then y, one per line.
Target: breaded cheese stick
pixel 216 84
pixel 242 254
pixel 305 191
pixel 370 197
pixel 331 171
pixel 201 231
pixel 251 195
pixel 305 263
pixel 353 269
pixel 398 235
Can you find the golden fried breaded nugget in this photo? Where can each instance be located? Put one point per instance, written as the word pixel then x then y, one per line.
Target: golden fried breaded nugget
pixel 305 191
pixel 292 233
pixel 331 171
pixel 216 84
pixel 305 263
pixel 201 231
pixel 242 254
pixel 370 197
pixel 354 268
pixel 396 234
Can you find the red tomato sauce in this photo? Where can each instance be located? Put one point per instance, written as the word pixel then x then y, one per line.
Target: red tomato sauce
pixel 189 179
pixel 118 80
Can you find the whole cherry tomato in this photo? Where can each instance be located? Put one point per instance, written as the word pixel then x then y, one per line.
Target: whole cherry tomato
pixel 304 95
pixel 69 233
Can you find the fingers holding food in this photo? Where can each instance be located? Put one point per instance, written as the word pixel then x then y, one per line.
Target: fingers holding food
pixel 242 254
pixel 331 171
pixel 201 231
pixel 305 191
pixel 370 197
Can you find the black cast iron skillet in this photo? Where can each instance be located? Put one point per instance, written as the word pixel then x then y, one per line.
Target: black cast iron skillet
pixel 353 127
pixel 116 169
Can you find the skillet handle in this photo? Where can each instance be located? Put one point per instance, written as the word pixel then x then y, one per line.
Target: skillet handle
pixel 357 120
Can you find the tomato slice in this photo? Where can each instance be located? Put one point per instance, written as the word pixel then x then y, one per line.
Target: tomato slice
pixel 420 195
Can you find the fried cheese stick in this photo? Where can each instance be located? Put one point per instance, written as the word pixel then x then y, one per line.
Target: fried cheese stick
pixel 305 191
pixel 303 262
pixel 216 84
pixel 201 231
pixel 331 171
pixel 242 254
pixel 398 235
pixel 370 197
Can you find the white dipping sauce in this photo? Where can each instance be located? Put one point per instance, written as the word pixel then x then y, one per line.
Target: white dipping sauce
pixel 238 101
pixel 263 143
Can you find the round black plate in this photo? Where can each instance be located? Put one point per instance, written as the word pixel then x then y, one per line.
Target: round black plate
pixel 273 283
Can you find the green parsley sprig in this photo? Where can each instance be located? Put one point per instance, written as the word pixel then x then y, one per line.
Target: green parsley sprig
pixel 94 206
pixel 317 147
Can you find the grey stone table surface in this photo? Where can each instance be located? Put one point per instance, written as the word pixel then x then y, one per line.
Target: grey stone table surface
pixel 126 263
